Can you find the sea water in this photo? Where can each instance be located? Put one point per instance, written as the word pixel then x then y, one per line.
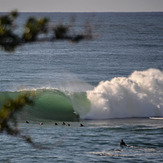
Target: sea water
pixel 112 84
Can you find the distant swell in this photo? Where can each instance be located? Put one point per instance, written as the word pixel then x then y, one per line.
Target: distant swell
pixel 139 95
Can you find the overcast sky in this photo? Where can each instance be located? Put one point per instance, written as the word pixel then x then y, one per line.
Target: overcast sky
pixel 81 5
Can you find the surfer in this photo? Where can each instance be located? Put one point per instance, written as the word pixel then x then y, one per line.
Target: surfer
pixel 56 124
pixel 122 143
pixel 27 121
pixel 41 123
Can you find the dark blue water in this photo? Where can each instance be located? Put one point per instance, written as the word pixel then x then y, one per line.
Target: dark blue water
pixel 118 74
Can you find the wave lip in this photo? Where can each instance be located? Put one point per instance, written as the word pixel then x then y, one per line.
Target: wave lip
pixel 139 95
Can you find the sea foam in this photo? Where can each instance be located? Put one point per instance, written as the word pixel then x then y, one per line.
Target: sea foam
pixel 139 95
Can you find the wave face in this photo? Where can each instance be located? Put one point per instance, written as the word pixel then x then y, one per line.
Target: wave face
pixel 52 104
pixel 139 95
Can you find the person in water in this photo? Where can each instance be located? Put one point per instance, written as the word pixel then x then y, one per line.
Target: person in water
pixel 122 143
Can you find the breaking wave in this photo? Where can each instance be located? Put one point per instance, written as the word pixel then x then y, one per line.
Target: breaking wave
pixel 139 95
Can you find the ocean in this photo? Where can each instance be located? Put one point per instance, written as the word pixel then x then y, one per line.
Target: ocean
pixel 112 85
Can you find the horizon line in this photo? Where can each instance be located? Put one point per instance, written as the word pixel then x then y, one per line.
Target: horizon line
pixel 81 11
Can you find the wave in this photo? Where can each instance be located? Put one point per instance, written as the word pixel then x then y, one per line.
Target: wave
pixel 139 95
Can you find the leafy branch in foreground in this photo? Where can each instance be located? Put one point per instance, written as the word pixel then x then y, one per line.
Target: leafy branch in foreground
pixel 8 120
pixel 33 28
pixel 8 39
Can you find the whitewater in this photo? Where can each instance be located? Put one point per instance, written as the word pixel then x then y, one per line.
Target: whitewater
pixel 139 95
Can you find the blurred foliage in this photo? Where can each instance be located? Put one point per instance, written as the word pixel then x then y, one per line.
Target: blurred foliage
pixel 8 39
pixel 8 112
pixel 33 28
pixel 60 31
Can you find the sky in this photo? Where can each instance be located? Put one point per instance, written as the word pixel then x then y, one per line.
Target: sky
pixel 81 5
